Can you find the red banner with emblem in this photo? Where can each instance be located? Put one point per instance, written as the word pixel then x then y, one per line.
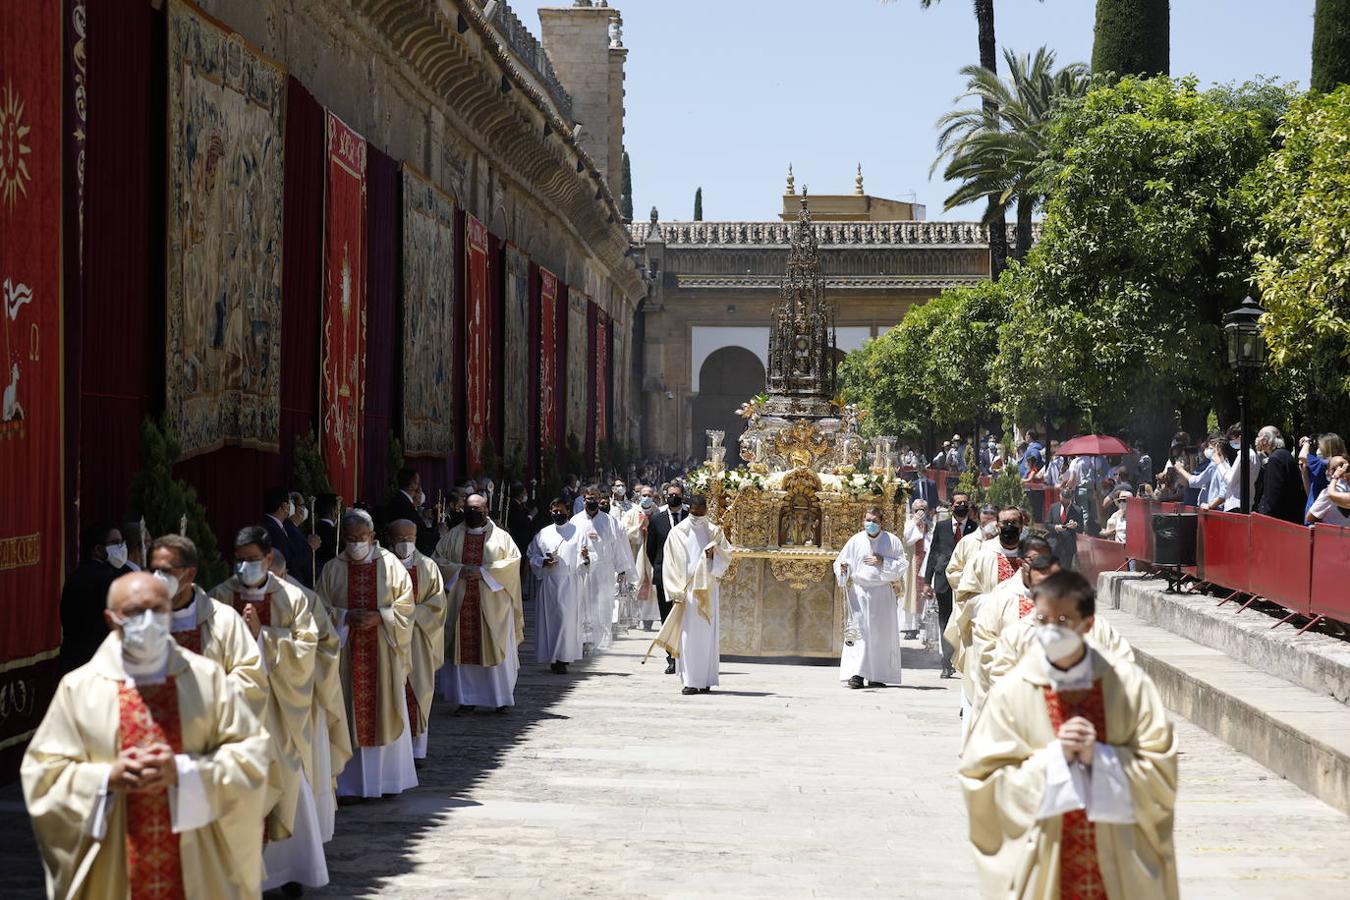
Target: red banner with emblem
pixel 478 342
pixel 344 307
pixel 602 331
pixel 31 524
pixel 548 364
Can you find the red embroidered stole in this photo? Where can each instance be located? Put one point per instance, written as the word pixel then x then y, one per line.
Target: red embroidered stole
pixel 919 553
pixel 1025 606
pixel 190 639
pixel 147 715
pixel 364 647
pixel 1007 567
pixel 407 685
pixel 263 609
pixel 1080 876
pixel 470 630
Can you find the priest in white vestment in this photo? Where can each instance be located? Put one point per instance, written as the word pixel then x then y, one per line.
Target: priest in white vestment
pixel 915 591
pixel 149 768
pixel 867 570
pixel 606 547
pixel 555 562
pixel 426 651
pixel 697 555
pixel 481 566
pixel 1070 773
pixel 635 525
pixel 370 599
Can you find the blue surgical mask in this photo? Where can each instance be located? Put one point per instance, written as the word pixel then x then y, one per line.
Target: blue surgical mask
pixel 648 502
pixel 872 528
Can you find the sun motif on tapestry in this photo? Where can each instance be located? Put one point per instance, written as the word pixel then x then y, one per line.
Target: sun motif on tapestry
pixel 14 175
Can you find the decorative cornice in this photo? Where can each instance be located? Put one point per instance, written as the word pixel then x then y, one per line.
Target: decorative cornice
pixel 832 282
pixel 828 234
pixel 424 34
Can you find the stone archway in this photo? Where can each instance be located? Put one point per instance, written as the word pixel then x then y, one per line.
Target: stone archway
pixel 728 377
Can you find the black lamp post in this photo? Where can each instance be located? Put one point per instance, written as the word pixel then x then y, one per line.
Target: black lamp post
pixel 1246 354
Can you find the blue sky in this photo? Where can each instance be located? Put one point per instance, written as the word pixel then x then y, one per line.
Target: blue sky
pixel 724 93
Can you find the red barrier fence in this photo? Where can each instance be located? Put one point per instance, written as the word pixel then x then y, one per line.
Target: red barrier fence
pixel 1305 570
pixel 1098 555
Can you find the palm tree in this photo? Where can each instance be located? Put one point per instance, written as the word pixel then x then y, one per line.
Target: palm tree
pixel 996 150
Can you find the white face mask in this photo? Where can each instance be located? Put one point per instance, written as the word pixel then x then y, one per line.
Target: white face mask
pixel 290 508
pixel 1058 641
pixel 117 554
pixel 170 581
pixel 357 552
pixel 252 572
pixel 1209 454
pixel 989 530
pixel 145 636
pixel 403 549
pixel 304 515
pixel 697 518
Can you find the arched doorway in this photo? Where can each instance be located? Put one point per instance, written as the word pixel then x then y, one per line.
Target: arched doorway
pixel 728 377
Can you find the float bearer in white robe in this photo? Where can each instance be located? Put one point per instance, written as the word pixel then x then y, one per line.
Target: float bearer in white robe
pixel 1070 773
pixel 370 599
pixel 427 649
pixel 149 768
pixel 697 556
pixel 867 569
pixel 915 592
pixel 278 617
pixel 481 565
pixel 555 561
pixel 611 562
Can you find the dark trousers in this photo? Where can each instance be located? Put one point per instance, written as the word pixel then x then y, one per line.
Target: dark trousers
pixel 944 599
pixel 661 602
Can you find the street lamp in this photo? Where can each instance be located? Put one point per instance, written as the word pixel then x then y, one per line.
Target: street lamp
pixel 1246 353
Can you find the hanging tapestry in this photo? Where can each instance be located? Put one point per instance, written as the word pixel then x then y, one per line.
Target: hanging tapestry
pixel 578 354
pixel 516 367
pixel 226 109
pixel 601 378
pixel 548 364
pixel 428 318
pixel 31 511
pixel 344 307
pixel 478 343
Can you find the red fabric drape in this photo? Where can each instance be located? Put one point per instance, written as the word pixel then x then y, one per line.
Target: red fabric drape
pixel 344 308
pixel 456 462
pixel 536 344
pixel 384 224
pixel 31 525
pixel 553 333
pixel 592 378
pixel 478 343
pixel 497 348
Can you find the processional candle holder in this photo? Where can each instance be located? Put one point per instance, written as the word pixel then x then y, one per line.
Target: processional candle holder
pixel 716 452
pixel 882 453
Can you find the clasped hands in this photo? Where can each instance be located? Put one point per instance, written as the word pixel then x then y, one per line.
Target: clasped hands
pixel 251 619
pixel 144 770
pixel 1077 737
pixel 363 619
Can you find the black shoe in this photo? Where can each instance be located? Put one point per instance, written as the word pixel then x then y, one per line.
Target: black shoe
pixel 646 626
pixel 911 635
pixel 948 672
pixel 293 889
pixel 705 690
pixel 464 709
pixel 875 684
pixel 855 682
pixel 688 690
pixel 553 667
pixel 562 668
pixel 670 667
pixel 503 709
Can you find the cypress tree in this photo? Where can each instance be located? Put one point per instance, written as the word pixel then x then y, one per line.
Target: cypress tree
pixel 1132 37
pixel 626 189
pixel 698 205
pixel 1331 45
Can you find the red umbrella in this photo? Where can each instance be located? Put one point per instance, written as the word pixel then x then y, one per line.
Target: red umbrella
pixel 1094 445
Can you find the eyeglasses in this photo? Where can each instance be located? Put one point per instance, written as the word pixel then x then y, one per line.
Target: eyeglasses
pixel 1064 621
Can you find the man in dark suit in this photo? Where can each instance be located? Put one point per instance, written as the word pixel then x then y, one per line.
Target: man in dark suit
pixel 945 537
pixel 659 527
pixel 306 544
pixel 325 527
pixel 407 503
pixel 924 488
pixel 1063 524
pixel 277 510
pixel 1279 490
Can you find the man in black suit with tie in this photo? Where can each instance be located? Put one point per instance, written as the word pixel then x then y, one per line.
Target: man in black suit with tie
pixel 325 526
pixel 277 510
pixel 1065 523
pixel 407 503
pixel 659 527
pixel 924 488
pixel 945 537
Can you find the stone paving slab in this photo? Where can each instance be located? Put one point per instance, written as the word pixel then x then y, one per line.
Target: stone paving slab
pixel 609 783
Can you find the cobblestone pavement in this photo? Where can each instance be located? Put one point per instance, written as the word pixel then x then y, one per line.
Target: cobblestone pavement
pixel 609 783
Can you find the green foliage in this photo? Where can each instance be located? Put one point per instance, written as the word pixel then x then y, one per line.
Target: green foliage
pixel 969 482
pixel 1331 45
pixel 626 189
pixel 1301 197
pixel 1132 37
pixel 1005 489
pixel 163 501
pixel 309 476
pixel 1119 307
pixel 698 205
pixel 396 464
